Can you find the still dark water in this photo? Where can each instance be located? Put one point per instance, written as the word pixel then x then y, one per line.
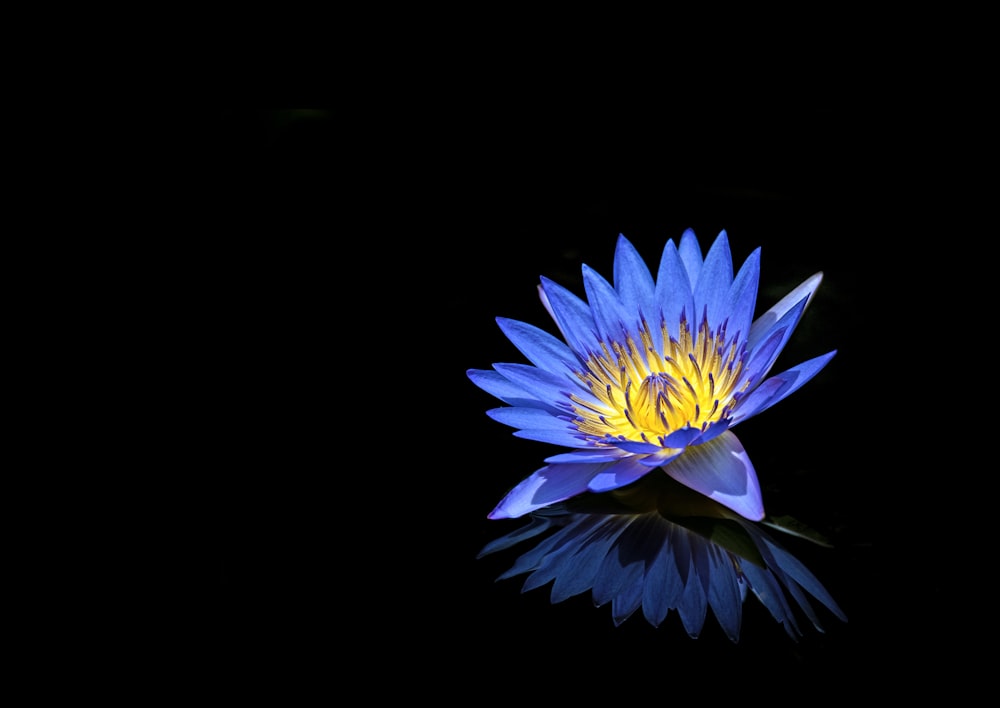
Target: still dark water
pixel 361 277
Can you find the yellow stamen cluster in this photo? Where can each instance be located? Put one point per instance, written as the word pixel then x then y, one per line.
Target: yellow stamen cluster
pixel 644 395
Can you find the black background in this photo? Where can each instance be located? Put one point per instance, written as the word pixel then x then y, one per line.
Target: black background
pixel 357 262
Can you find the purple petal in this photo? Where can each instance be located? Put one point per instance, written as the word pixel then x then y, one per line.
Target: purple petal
pixel 721 470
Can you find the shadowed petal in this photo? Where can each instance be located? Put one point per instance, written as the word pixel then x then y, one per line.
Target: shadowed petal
pixel 721 470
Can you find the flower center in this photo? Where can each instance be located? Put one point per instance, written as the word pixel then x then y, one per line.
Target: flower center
pixel 646 392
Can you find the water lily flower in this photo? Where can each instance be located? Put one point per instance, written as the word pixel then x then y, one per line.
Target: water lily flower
pixel 651 376
pixel 659 546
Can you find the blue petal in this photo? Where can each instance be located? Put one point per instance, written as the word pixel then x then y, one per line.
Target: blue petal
pixel 742 299
pixel 542 385
pixel 618 474
pixel 550 484
pixel 711 292
pixel 571 314
pixel 541 425
pixel 496 385
pixel 563 438
pixel 681 438
pixel 491 381
pixel 721 470
pixel 803 291
pixel 673 293
pixel 591 454
pixel 633 282
pixel 531 418
pixel 783 327
pixel 662 457
pixel 762 358
pixel 690 252
pixel 714 430
pixel 638 448
pixel 608 316
pixel 542 349
pixel 779 387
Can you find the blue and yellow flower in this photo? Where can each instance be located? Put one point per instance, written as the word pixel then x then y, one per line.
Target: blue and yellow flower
pixel 644 388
